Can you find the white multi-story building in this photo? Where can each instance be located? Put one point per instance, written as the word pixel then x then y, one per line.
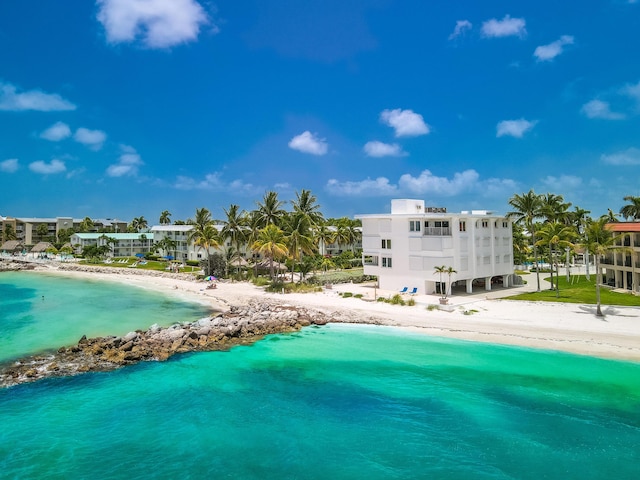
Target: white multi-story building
pixel 121 244
pixel 404 247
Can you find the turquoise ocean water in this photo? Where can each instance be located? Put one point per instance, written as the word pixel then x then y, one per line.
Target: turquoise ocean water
pixel 332 402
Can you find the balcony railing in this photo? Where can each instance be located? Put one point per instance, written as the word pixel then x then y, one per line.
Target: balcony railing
pixel 437 231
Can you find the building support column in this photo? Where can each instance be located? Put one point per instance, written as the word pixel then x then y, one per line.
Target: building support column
pixel 487 283
pixel 469 285
pixel 505 281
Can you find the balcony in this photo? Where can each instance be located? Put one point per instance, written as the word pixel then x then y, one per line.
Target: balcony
pixel 437 231
pixel 370 260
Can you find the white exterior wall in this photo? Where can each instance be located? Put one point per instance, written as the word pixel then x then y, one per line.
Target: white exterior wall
pixel 481 252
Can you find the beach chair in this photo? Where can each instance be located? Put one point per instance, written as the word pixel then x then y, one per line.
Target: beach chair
pixel 404 290
pixel 414 291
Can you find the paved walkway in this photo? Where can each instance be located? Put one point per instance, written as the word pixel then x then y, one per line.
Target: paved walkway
pixel 460 296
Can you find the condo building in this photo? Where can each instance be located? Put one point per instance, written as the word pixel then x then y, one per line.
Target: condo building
pixel 404 247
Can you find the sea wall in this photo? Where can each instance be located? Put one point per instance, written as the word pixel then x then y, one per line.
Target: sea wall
pixel 239 325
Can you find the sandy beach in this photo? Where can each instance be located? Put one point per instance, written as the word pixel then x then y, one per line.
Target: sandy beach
pixel 484 317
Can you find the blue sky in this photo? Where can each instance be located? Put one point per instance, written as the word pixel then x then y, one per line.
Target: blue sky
pixel 122 108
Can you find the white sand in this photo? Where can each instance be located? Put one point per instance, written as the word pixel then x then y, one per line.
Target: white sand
pixel 557 326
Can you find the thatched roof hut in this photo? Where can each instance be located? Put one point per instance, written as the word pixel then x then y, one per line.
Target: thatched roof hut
pixel 12 246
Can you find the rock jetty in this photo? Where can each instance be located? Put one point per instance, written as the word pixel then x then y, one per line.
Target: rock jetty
pixel 239 325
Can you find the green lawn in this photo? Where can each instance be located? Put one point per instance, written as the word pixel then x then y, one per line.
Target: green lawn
pixel 146 265
pixel 579 290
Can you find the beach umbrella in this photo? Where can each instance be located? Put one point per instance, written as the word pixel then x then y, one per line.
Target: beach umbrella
pixel 169 257
pixel 208 278
pixel 140 255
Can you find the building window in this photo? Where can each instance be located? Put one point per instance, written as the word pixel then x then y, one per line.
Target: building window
pixel 386 262
pixel 386 243
pixel 505 224
pixel 371 260
pixel 414 225
pixel 463 226
pixel 485 223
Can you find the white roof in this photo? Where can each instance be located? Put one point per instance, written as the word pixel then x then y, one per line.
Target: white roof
pixel 172 228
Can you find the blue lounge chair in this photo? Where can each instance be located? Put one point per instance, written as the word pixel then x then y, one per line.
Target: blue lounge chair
pixel 404 290
pixel 414 291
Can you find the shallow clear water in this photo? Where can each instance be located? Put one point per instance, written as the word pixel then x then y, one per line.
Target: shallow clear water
pixel 338 402
pixel 40 312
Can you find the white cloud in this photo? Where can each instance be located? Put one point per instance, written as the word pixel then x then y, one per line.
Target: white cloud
pixel 90 138
pixel 308 142
pixel 56 132
pixel 11 100
pixel 562 183
pixel 128 163
pixel 158 23
pixel 552 50
pixel 55 166
pixel 9 166
pixel 213 181
pixel 630 156
pixel 461 27
pixel 380 149
pixel 506 27
pixel 514 128
pixel 468 181
pixel 364 188
pixel 426 182
pixel 632 91
pixel 600 109
pixel 406 123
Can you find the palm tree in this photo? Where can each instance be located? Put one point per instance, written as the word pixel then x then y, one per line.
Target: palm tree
pixel 556 236
pixel 138 223
pixel 165 217
pixel 207 237
pixel 270 210
pixel 42 231
pixel 9 233
pixel 323 233
pixel 251 222
pixel 299 238
pixel 450 271
pixel 203 217
pixel 632 210
pixel 520 244
pixel 440 270
pixel 527 207
pixel 233 230
pixel 554 208
pixel 86 224
pixel 326 264
pixel 271 244
pixel 306 204
pixel 167 245
pixel 598 239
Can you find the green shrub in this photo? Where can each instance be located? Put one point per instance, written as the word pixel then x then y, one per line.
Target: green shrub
pixel 260 281
pixel 411 302
pixel 193 263
pixel 357 295
pixel 347 294
pixel 381 299
pixel 396 300
pixel 432 307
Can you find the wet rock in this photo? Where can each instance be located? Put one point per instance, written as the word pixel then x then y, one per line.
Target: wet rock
pixel 240 326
